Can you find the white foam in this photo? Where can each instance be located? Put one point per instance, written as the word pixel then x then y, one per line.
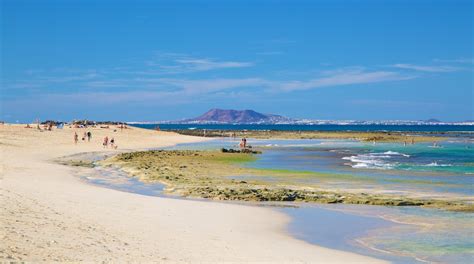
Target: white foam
pixel 396 153
pixel 361 165
pixel 368 161
pixel 379 156
pixel 435 164
pixel 271 145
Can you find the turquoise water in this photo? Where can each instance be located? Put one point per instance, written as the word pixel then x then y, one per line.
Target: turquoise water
pixel 397 234
pixel 448 156
pixel 423 235
pixel 447 170
pixel 339 229
pixel 426 235
pixel 415 235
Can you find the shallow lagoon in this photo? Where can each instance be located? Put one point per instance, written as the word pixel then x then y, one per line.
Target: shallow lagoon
pixel 415 234
pixel 398 234
pixel 406 169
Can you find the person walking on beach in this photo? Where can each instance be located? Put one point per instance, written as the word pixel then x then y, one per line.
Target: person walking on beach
pixel 89 136
pixel 112 142
pixel 243 143
pixel 106 142
pixel 84 136
pixel 76 138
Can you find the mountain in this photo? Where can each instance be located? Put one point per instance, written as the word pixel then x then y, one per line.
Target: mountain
pixel 224 116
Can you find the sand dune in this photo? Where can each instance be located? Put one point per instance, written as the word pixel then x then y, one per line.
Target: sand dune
pixel 48 214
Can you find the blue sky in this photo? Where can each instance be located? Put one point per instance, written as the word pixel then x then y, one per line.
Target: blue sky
pixel 165 60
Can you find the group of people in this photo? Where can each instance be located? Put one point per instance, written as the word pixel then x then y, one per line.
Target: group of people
pixel 406 143
pixel 243 143
pixel 87 135
pixel 106 143
pixel 47 126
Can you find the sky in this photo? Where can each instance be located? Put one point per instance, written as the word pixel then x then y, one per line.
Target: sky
pixel 169 60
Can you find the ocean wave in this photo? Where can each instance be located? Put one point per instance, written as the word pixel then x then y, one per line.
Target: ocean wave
pixel 372 166
pixel 375 155
pixel 375 160
pixel 368 162
pixel 396 153
pixel 435 164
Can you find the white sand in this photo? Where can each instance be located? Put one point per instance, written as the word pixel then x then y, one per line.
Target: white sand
pixel 49 214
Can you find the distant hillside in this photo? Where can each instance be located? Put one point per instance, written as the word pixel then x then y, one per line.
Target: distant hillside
pixel 433 120
pixel 224 116
pixel 237 117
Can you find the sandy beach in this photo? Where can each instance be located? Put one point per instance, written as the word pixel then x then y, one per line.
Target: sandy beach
pixel 49 214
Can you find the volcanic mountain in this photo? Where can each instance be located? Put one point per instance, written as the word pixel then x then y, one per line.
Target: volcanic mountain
pixel 224 116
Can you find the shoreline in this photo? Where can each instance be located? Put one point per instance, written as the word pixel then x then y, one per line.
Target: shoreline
pixel 50 215
pixel 295 228
pixel 215 175
pixel 311 234
pixel 410 137
pixel 283 207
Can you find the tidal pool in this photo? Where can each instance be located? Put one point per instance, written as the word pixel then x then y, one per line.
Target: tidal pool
pixel 398 234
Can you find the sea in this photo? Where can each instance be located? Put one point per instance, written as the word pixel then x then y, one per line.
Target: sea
pixel 396 234
pixel 332 127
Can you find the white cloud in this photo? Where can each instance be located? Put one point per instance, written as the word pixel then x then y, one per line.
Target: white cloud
pixel 207 64
pixel 392 103
pixel 442 68
pixel 459 60
pixel 60 79
pixel 176 63
pixel 48 80
pixel 212 85
pixel 190 87
pixel 185 86
pixel 345 76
